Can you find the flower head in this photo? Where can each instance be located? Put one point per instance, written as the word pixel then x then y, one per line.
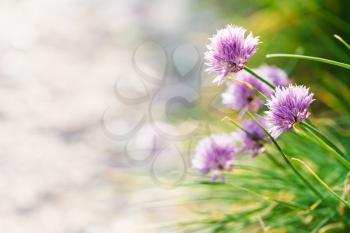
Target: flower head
pixel 240 97
pixel 229 51
pixel 286 107
pixel 214 154
pixel 252 137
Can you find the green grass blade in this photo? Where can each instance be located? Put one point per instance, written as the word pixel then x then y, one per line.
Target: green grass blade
pixel 329 146
pixel 324 184
pixel 311 58
pixel 226 118
pixel 284 156
pixel 342 41
pixel 325 139
pixel 322 223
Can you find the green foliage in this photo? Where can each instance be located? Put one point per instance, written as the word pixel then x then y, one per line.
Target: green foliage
pixel 267 194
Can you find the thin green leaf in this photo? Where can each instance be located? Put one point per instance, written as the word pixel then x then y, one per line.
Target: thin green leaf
pixel 319 134
pixel 317 59
pixel 226 118
pixel 274 161
pixel 324 184
pixel 328 145
pixel 266 198
pixel 284 156
pixel 342 41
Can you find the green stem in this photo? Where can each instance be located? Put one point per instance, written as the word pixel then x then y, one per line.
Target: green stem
pixel 278 164
pixel 322 182
pixel 328 145
pixel 342 41
pixel 246 68
pixel 286 159
pixel 274 161
pixel 318 59
pixel 319 134
pixel 322 223
pixel 262 197
pixel 235 124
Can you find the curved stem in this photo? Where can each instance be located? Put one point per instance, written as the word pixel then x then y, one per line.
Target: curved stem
pixel 323 222
pixel 246 68
pixel 235 124
pixel 289 204
pixel 342 41
pixel 286 159
pixel 319 134
pixel 274 161
pixel 322 182
pixel 318 59
pixel 328 145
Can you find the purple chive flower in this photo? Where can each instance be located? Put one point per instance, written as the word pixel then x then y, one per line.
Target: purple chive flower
pixel 252 137
pixel 240 97
pixel 229 51
pixel 214 154
pixel 286 107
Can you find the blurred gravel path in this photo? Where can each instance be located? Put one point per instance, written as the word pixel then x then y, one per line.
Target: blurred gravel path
pixel 59 173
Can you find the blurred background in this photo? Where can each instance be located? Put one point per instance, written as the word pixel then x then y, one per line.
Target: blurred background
pixel 103 100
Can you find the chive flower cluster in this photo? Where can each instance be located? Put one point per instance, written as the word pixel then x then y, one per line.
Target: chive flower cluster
pixel 286 107
pixel 252 137
pixel 242 98
pixel 229 51
pixel 214 153
pixel 286 104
